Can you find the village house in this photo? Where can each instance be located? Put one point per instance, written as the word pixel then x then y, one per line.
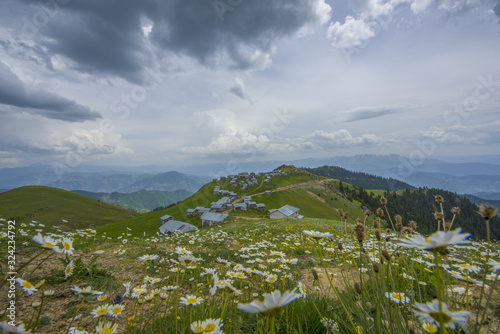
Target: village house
pixel 212 218
pixel 261 207
pixel 286 211
pixel 240 207
pixel 166 218
pixel 174 226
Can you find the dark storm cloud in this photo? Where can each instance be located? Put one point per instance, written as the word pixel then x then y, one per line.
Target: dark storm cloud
pixel 14 92
pixel 107 37
pixel 496 9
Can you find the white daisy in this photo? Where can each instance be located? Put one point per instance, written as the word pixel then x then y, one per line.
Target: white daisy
pixel 272 303
pixel 436 241
pixel 431 313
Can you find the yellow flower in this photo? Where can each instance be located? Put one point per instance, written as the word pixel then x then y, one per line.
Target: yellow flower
pixel 430 328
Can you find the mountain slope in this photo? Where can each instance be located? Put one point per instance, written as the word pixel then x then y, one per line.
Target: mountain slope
pixel 140 201
pixel 50 206
pixel 316 197
pixel 168 181
pixel 420 205
pixel 364 180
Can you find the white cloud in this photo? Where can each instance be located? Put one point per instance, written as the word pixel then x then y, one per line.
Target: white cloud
pixel 352 33
pixel 243 142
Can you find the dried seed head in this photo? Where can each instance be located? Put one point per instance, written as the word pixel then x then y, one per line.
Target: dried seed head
pixel 375 224
pixel 445 252
pixel 341 212
pixel 406 229
pixel 379 212
pixel 339 246
pixel 368 213
pixel 438 215
pixel 413 225
pixel 439 198
pixel 398 219
pixel 487 211
pixel 315 274
pixel 346 215
pixel 358 220
pixel 377 235
pixel 455 210
pixel 357 287
pixel 376 268
pixel 387 239
pixel 386 254
pixel 359 229
pixel 371 307
pixel 383 200
pixel 447 226
pixel 399 226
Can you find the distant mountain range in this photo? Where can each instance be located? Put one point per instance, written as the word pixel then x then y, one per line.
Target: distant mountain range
pixel 481 178
pixel 106 181
pixel 140 201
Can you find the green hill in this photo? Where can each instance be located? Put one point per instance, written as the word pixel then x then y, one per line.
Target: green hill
pixel 358 179
pixel 316 197
pixel 50 206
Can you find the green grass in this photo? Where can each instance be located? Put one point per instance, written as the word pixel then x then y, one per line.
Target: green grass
pixel 50 206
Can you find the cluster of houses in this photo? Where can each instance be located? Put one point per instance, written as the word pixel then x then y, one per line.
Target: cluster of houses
pixel 211 216
pixel 250 179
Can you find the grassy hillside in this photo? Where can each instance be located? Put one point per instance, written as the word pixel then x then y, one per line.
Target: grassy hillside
pixel 316 197
pixel 50 206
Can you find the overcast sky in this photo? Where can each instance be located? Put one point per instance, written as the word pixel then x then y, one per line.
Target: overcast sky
pixel 177 82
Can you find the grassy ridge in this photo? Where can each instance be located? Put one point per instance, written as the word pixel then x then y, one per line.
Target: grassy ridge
pixel 316 197
pixel 51 205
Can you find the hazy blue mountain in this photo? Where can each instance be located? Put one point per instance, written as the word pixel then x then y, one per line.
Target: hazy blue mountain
pixel 487 195
pixel 98 181
pixel 142 200
pixel 478 201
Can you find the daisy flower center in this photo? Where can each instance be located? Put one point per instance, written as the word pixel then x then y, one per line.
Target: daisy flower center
pixel 102 311
pixel 198 329
pixel 209 328
pixel 440 317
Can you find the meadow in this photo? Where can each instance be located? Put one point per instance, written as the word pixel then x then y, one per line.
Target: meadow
pixel 260 276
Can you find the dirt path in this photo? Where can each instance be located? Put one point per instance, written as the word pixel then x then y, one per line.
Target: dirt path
pixel 296 185
pixel 291 186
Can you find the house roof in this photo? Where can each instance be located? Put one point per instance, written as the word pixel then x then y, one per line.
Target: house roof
pixel 175 225
pixel 288 210
pixel 166 217
pixel 237 205
pixel 213 216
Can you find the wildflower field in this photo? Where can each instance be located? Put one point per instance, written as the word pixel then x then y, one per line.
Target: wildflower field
pixel 259 276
